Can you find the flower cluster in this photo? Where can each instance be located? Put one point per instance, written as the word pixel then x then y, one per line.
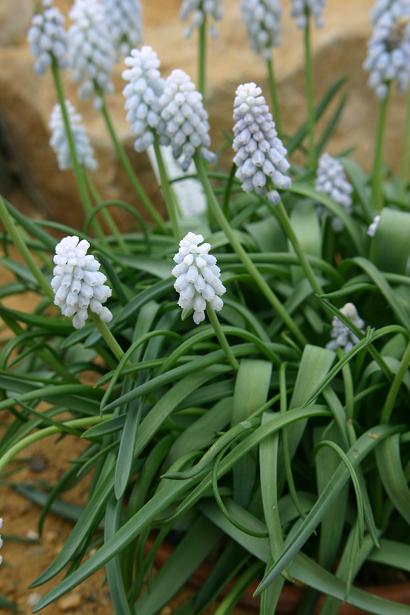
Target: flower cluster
pixel 142 95
pixel 388 51
pixel 372 230
pixel 331 180
pixel 1 540
pixel 342 336
pixel 200 10
pixel 197 277
pixel 262 19
pixel 185 119
pixel 59 141
pixel 125 23
pixel 302 9
pixel 78 284
pixel 260 154
pixel 91 52
pixel 47 38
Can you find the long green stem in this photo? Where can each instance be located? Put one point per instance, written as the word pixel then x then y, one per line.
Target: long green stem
pixel 405 161
pixel 274 95
pixel 222 338
pixel 109 338
pixel 309 86
pixel 248 264
pixel 202 58
pixel 18 241
pixel 395 386
pixel 378 155
pixel 125 161
pixel 169 194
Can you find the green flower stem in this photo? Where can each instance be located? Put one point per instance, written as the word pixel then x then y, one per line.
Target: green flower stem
pixel 202 58
pixel 125 161
pixel 13 231
pixel 378 155
pixel 77 168
pixel 405 161
pixel 109 338
pixel 274 95
pixel 281 214
pixel 110 222
pixel 21 445
pixel 395 386
pixel 310 92
pixel 222 337
pixel 239 588
pixel 216 211
pixel 169 194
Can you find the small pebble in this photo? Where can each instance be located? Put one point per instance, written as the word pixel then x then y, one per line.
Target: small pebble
pixel 69 603
pixel 166 611
pixel 33 599
pixel 38 463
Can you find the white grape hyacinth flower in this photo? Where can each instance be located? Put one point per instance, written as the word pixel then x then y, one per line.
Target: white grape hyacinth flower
pixel 261 158
pixel 47 38
pixel 262 19
pixel 374 225
pixel 185 120
pixel 59 141
pixel 125 22
pixel 198 11
pixel 331 180
pixel 142 94
pixel 388 50
pixel 396 7
pixel 302 9
pixel 1 540
pixel 342 336
pixel 197 276
pixel 91 51
pixel 78 284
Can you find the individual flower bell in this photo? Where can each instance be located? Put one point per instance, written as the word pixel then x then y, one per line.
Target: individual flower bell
pixel 78 284
pixel 302 9
pixel 197 277
pixel 47 38
pixel 185 119
pixel 90 49
pixel 199 10
pixel 125 22
pixel 342 336
pixel 262 19
pixel 371 231
pixel 142 95
pixel 331 180
pixel 388 50
pixel 59 141
pixel 260 155
pixel 397 7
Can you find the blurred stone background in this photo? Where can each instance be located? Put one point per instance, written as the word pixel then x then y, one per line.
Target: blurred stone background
pixel 29 176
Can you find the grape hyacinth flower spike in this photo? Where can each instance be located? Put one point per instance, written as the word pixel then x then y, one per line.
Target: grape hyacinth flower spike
pixel 125 21
pixel 342 336
pixel 262 19
pixel 199 10
pixel 185 120
pixel 90 49
pixel 302 9
pixel 47 38
pixel 142 94
pixel 197 276
pixel 373 226
pixel 260 155
pixel 331 180
pixel 59 141
pixel 77 283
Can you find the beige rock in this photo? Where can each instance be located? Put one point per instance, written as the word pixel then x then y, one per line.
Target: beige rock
pixel 15 18
pixel 70 602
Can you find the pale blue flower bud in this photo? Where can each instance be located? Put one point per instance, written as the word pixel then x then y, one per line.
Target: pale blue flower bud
pixel 331 180
pixel 198 11
pixel 262 19
pixel 47 38
pixel 303 9
pixel 59 141
pixel 261 157
pixel 185 119
pixel 142 95
pixel 342 336
pixel 91 52
pixel 371 231
pixel 77 283
pixel 197 277
pixel 124 18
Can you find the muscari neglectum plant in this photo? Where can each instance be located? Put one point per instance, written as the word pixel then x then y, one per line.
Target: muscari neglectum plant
pixel 240 379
